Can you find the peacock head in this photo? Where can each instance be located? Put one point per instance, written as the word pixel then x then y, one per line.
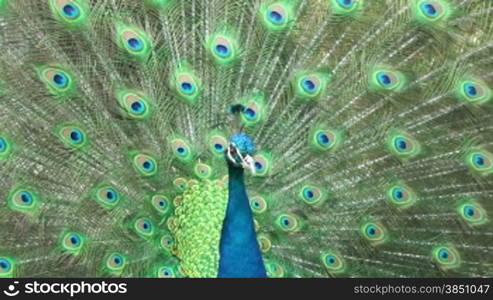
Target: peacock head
pixel 240 152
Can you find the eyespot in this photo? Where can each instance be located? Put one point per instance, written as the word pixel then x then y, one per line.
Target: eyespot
pixel 431 9
pixel 181 150
pixel 203 171
pixel 310 84
pixel 223 47
pixel 311 195
pixel 333 262
pixel 161 204
pixel 403 146
pixel 276 14
pixel 7 267
pixel 218 145
pixel 143 227
pixel 167 243
pixel 401 196
pixel 58 81
pixel 186 84
pixel 261 164
pixel 345 3
pixel 72 242
pixel 446 257
pixel 134 41
pixel 181 184
pixel 472 213
pixel 5 148
pixel 145 164
pixel 264 243
pixel 480 161
pixel 136 105
pixel 258 204
pixel 274 270
pixel 72 136
pixel 387 80
pixel 474 91
pixel 288 223
pixel 69 11
pixel 374 233
pixel 106 196
pixel 324 140
pixel 165 272
pixel 22 199
pixel 115 263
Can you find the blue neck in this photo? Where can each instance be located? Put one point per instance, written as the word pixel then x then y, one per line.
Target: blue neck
pixel 239 251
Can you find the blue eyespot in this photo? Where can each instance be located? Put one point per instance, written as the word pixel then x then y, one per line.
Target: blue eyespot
pixel 222 50
pixel 309 86
pixel 443 254
pixel 118 260
pixel 146 225
pixel 258 166
pixel 308 194
pixel 148 166
pixel 398 194
pixel 162 203
pixel 110 195
pixel 330 260
pixel 345 3
pixel 135 44
pixel 70 11
pixel 323 139
pixel 138 107
pixel 4 265
pixel 76 136
pixel 384 79
pixel 181 151
pixel 60 80
pixel 74 240
pixel 429 10
pixel 219 148
pixel 401 144
pixel 285 221
pixel 470 90
pixel 469 211
pixel 3 145
pixel 478 160
pixel 187 88
pixel 276 18
pixel 250 114
pixel 371 230
pixel 26 198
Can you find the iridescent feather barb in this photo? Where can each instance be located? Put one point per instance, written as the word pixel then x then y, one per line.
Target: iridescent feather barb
pixel 310 138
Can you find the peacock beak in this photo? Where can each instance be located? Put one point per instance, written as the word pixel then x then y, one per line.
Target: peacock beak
pixel 236 158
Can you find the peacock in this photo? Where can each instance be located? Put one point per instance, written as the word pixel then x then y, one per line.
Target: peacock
pixel 246 138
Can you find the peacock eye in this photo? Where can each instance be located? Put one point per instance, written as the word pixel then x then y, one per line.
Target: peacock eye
pixel 222 50
pixel 401 144
pixel 22 199
pixel 431 9
pixel 145 164
pixel 60 80
pixel 374 233
pixel 446 257
pixel 309 86
pixel 288 223
pixel 472 213
pixel 144 228
pixel 346 3
pixel 70 11
pixel 135 44
pixel 258 204
pixel 3 145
